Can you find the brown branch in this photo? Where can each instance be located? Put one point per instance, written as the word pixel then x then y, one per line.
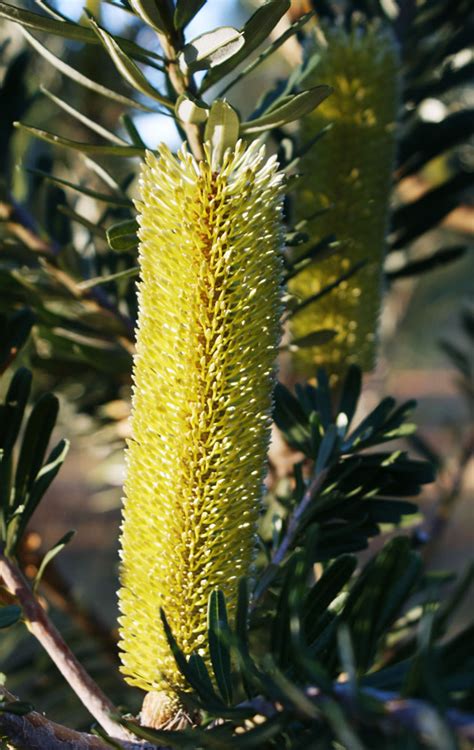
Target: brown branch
pixel 38 623
pixel 34 731
pixel 60 594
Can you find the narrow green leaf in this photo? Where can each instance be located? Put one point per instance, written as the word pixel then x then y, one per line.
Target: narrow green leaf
pixel 79 78
pixel 128 273
pixel 293 29
pixel 37 435
pixel 210 49
pixel 185 12
pixel 123 236
pixel 255 32
pixel 292 108
pixel 13 409
pixel 16 707
pixel 324 591
pixel 351 390
pixel 132 131
pixel 127 68
pixel 153 13
pixel 66 30
pixel 197 664
pixel 43 480
pixel 127 152
pixel 222 130
pixel 51 554
pixel 95 126
pixel 218 644
pixel 9 615
pixel 187 669
pixel 93 228
pixel 436 260
pixel 14 335
pixel 111 199
pixel 316 338
pixel 327 449
pixel 291 419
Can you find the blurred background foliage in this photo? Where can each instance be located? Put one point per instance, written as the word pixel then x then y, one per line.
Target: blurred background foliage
pixel 63 258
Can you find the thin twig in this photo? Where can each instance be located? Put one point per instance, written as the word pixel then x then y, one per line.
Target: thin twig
pixel 295 519
pixel 38 623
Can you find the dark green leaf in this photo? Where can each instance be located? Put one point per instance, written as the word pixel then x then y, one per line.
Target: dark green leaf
pixel 290 419
pixel 351 390
pixel 437 260
pixel 413 219
pixel 123 236
pixel 16 707
pixel 185 11
pixel 316 338
pixel 13 409
pixel 9 615
pixel 153 13
pixel 37 435
pixel 188 670
pixel 324 591
pixel 219 644
pixel 43 480
pixel 111 199
pixel 293 108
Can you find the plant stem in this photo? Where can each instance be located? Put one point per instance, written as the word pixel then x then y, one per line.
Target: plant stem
pixel 181 85
pixel 38 623
pixel 293 525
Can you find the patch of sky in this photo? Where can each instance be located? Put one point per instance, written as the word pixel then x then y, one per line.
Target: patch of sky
pixel 157 128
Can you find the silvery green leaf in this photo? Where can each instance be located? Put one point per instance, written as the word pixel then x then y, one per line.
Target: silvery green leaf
pixel 78 77
pixel 191 111
pixel 67 30
pixel 210 49
pixel 107 134
pixel 85 148
pixel 290 108
pixel 255 32
pixel 222 130
pixel 127 68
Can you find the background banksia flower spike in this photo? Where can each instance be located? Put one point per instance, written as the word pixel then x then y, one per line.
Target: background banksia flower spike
pixel 349 173
pixel 208 333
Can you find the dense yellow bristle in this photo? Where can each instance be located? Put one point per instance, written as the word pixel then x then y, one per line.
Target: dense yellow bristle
pixel 349 172
pixel 207 340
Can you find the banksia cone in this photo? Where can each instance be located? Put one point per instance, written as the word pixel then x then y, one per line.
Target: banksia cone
pixel 348 172
pixel 208 332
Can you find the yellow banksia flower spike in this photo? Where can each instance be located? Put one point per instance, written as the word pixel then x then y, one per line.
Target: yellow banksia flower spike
pixel 348 172
pixel 207 340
